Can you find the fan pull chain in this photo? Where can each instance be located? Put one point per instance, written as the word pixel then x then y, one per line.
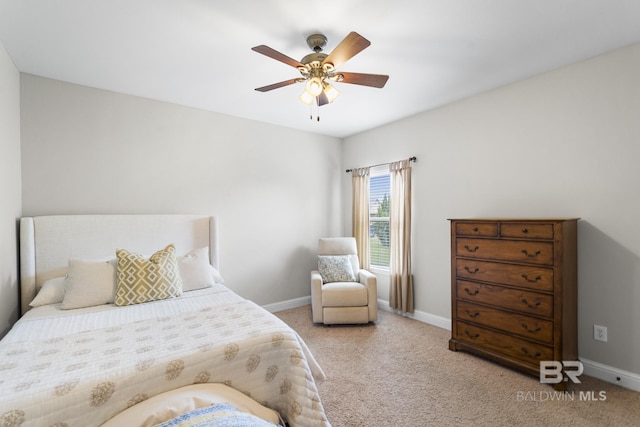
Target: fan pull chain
pixel 311 111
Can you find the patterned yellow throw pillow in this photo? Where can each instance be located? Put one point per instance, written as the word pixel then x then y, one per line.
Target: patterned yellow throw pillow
pixel 143 280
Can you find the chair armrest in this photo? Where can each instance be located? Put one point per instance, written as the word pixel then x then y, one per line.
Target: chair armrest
pixel 316 279
pixel 316 296
pixel 366 277
pixel 369 279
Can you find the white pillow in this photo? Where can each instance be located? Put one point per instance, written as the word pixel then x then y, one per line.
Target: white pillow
pixel 217 278
pixel 335 268
pixel 51 292
pixel 196 272
pixel 89 283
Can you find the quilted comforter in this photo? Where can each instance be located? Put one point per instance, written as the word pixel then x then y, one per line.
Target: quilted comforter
pixel 83 378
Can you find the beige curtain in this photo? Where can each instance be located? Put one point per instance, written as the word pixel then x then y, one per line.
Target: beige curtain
pixel 401 289
pixel 360 213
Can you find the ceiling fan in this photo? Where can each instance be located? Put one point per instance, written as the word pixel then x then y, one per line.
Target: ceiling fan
pixel 319 69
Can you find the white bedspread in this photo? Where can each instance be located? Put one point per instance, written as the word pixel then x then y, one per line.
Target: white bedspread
pixel 81 367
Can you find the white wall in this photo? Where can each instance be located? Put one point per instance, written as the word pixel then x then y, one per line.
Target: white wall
pixel 275 190
pixel 9 189
pixel 566 143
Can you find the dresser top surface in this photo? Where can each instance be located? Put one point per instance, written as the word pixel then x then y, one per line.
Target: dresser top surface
pixel 513 219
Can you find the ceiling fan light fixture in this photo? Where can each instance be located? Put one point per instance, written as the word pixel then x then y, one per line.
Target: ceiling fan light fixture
pixel 331 92
pixel 306 97
pixel 314 86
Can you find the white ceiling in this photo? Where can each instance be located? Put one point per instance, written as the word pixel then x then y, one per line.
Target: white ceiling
pixel 198 52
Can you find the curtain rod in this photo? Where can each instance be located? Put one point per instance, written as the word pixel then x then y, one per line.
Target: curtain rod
pixel 413 159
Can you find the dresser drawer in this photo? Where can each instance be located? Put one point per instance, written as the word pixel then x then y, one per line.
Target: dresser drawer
pixel 527 230
pixel 509 298
pixel 525 326
pixel 505 344
pixel 484 229
pixel 532 277
pixel 506 250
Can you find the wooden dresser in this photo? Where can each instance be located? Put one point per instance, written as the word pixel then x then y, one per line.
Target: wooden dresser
pixel 514 290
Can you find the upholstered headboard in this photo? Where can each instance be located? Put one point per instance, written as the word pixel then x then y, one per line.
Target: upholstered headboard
pixel 47 242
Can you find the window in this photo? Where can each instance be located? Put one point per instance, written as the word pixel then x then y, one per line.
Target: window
pixel 379 191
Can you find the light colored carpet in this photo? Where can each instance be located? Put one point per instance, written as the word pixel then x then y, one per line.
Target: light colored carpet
pixel 400 372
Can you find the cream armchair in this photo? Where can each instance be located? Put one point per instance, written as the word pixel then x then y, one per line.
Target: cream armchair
pixel 349 294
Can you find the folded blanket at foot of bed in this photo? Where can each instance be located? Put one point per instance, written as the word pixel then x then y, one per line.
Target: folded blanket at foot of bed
pixel 198 405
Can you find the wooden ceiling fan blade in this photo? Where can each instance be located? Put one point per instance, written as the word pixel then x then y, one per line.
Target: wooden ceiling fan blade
pixel 373 80
pixel 349 47
pixel 274 54
pixel 277 85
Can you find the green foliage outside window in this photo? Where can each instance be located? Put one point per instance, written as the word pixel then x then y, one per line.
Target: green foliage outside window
pixel 381 228
pixel 379 239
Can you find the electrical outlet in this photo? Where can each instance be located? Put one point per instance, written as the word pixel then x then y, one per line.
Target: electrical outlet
pixel 600 333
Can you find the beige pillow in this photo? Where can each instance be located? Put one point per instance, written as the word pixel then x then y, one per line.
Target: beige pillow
pixel 89 283
pixel 143 280
pixel 51 292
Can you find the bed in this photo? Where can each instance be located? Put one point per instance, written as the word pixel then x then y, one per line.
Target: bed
pixel 93 361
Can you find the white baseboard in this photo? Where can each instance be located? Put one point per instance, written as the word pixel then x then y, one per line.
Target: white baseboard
pixel 422 316
pixel 285 305
pixel 607 373
pixel 610 374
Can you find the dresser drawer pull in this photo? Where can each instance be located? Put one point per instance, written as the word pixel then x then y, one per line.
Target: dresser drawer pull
pixel 526 328
pixel 533 255
pixel 475 270
pixel 535 355
pixel 525 231
pixel 535 304
pixel 475 291
pixel 534 280
pixel 472 315
pixel 473 337
pixel 471 250
pixel 475 229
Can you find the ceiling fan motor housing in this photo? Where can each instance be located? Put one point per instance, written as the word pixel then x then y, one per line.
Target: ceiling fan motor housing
pixel 314 57
pixel 317 42
pixel 313 61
